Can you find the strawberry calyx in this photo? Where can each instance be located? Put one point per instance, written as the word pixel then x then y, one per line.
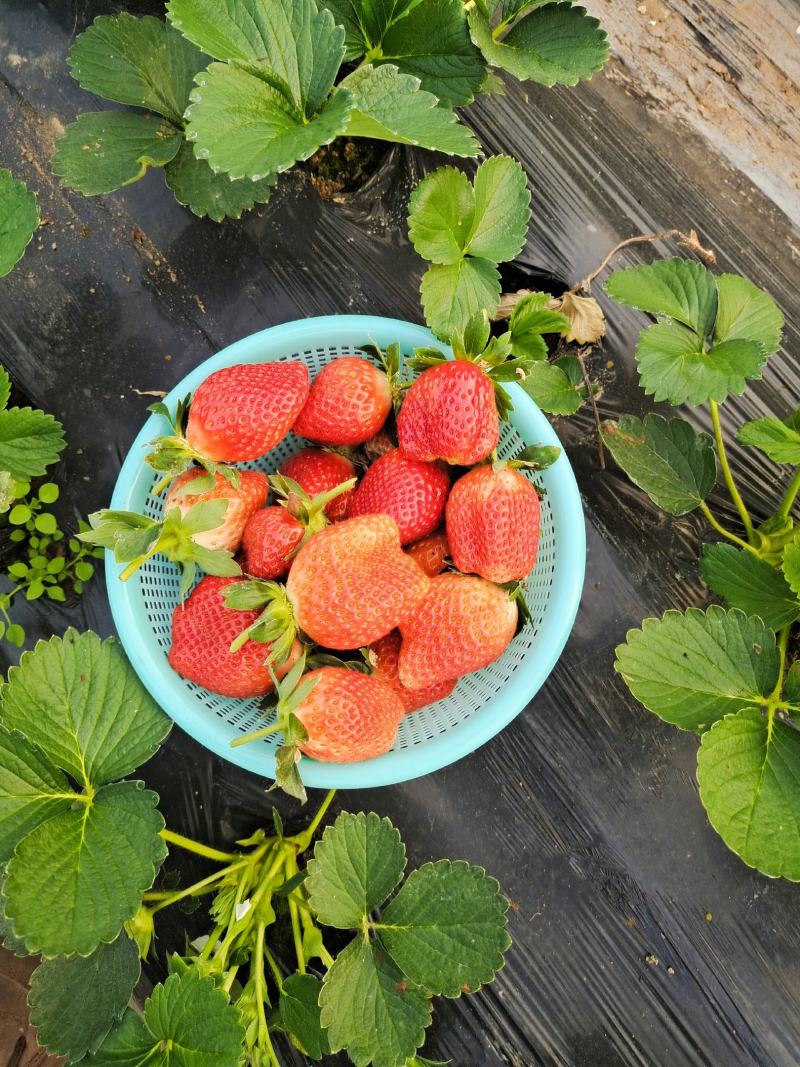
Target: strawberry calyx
pixel 135 538
pixel 532 458
pixel 275 625
pixel 172 454
pixel 391 360
pixel 516 593
pixel 308 510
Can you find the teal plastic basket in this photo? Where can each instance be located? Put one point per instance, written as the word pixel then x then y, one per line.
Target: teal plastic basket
pixel 481 704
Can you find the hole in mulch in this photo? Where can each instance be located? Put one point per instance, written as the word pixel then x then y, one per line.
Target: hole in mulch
pixel 345 166
pixel 520 275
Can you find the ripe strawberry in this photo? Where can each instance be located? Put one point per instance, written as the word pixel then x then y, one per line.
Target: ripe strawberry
pixel 493 523
pixel 203 629
pixel 413 493
pixel 317 470
pixel 349 402
pixel 250 496
pixel 384 656
pixel 449 413
pixel 463 624
pixel 351 584
pixel 430 552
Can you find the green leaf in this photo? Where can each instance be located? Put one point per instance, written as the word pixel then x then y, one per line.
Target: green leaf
pixel 245 127
pixel 7 938
pixel 749 583
pixel 32 790
pixel 745 311
pixel 15 635
pixel 502 210
pixel 674 366
pixel 549 386
pixel 557 44
pixel 30 441
pixel 104 150
pixel 130 1044
pixel 791 564
pixel 196 186
pixel 75 879
pixel 18 516
pixel 391 106
pixel 357 862
pixel 74 1002
pixel 791 684
pixel 46 523
pixel 370 1010
pixel 453 292
pixel 747 769
pixel 19 220
pixel 440 215
pixel 667 458
pixel 446 928
pixel 692 669
pixel 779 440
pixel 5 381
pixel 678 288
pixel 366 21
pixel 48 493
pixel 78 698
pixel 140 61
pixel 300 1014
pixel 432 42
pixel 529 320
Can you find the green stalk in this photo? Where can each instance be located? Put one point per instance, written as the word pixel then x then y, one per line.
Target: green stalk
pixel 727 474
pixel 195 846
pixel 273 966
pixel 717 525
pixel 204 886
pixel 261 992
pixel 789 497
pixel 303 839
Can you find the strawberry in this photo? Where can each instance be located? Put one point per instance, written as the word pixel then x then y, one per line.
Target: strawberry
pixel 383 656
pixel 493 523
pixel 351 584
pixel 349 402
pixel 243 501
pixel 463 624
pixel 449 413
pixel 203 629
pixel 413 493
pixel 317 470
pixel 430 552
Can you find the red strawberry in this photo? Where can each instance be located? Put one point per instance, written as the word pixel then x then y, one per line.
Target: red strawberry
pixel 317 470
pixel 413 493
pixel 250 496
pixel 203 629
pixel 463 624
pixel 431 552
pixel 351 584
pixel 349 402
pixel 493 523
pixel 384 656
pixel 449 413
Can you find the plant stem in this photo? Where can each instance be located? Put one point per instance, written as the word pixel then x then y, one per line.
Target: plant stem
pixel 261 992
pixel 195 846
pixel 203 886
pixel 775 695
pixel 789 497
pixel 273 966
pixel 726 471
pixel 688 240
pixel 256 735
pixel 303 840
pixel 713 521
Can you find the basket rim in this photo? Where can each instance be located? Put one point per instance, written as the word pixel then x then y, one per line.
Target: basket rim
pixel 168 688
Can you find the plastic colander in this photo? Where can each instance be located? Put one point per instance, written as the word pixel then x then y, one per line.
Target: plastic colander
pixel 480 705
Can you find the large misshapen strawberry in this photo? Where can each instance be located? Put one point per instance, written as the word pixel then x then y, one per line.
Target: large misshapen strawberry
pixel 316 470
pixel 349 402
pixel 244 499
pixel 412 492
pixel 351 584
pixel 384 657
pixel 464 623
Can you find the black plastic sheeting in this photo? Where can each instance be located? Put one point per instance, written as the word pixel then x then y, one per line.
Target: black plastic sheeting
pixel 638 939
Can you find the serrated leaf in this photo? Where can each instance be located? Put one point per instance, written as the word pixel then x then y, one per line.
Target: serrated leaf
pixel 791 564
pixel 674 366
pixel 555 44
pixel 551 389
pixel 19 219
pixel 692 669
pixel 7 938
pixel 30 442
pixel 139 61
pixel 300 1014
pixel 196 186
pixel 440 215
pixel 370 1010
pixel 104 150
pixel 678 288
pixel 502 210
pixel 453 293
pixel 366 21
pixel 530 319
pixel 749 583
pixel 391 106
pixel 791 685
pixel 5 386
pixel 779 440
pixel 667 458
pixel 747 769
pixel 357 862
pixel 32 790
pixel 78 698
pixel 129 1044
pixel 748 312
pixel 586 323
pixel 446 928
pixel 432 42
pixel 75 879
pixel 245 127
pixel 74 1002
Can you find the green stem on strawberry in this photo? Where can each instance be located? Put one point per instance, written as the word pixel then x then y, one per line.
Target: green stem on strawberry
pixel 727 473
pixel 789 497
pixel 173 454
pixel 195 846
pixel 717 525
pixel 275 625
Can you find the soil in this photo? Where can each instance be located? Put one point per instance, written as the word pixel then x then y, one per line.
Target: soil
pixel 18 1046
pixel 344 166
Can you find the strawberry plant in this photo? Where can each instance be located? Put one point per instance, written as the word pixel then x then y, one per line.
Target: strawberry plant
pixel 227 95
pixel 726 672
pixel 81 845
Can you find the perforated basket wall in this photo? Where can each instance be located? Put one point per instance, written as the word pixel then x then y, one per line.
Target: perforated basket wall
pixel 480 705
